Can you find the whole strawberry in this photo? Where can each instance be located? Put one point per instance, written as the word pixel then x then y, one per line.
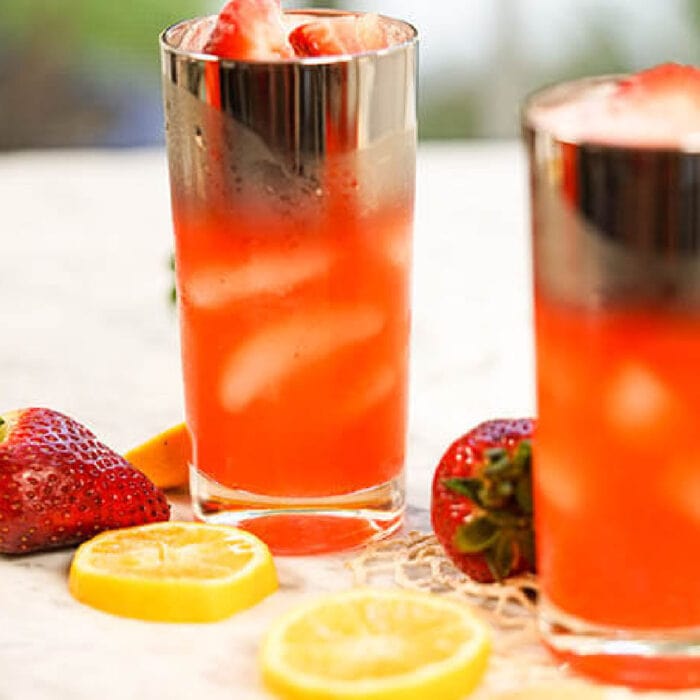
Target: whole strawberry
pixel 59 485
pixel 482 500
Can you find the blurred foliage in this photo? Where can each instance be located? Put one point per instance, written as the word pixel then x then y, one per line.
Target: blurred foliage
pixel 462 107
pixel 92 65
pixel 450 114
pixel 95 25
pixel 693 11
pixel 89 70
pixel 323 4
pixel 603 54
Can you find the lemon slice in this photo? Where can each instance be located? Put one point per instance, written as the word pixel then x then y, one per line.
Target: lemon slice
pixel 173 572
pixel 376 644
pixel 164 458
pixel 554 691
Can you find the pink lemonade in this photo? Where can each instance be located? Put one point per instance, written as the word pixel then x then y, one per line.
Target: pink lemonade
pixel 616 190
pixel 279 330
pixel 292 187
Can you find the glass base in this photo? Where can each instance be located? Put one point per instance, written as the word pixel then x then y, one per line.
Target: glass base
pixel 303 525
pixel 660 659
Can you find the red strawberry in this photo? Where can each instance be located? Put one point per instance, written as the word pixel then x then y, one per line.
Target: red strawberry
pixel 657 107
pixel 482 500
pixel 668 80
pixel 59 485
pixel 334 36
pixel 250 30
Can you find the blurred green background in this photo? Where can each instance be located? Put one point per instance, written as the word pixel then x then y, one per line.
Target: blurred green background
pixel 85 72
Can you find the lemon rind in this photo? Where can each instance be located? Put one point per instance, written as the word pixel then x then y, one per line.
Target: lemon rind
pixel 171 598
pixel 448 678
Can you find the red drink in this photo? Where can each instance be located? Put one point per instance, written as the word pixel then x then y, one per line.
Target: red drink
pixel 616 385
pixel 292 188
pixel 616 187
pixel 295 364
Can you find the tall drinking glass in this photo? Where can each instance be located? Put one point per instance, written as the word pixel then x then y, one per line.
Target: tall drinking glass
pixel 292 189
pixel 616 242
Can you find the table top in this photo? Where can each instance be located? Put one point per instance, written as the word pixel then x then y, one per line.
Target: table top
pixel 88 329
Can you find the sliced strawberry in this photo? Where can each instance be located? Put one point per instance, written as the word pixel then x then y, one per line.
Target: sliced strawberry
pixel 668 80
pixel 481 508
pixel 659 106
pixel 335 36
pixel 251 30
pixel 197 34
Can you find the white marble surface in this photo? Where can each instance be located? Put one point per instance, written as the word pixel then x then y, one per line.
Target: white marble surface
pixel 87 329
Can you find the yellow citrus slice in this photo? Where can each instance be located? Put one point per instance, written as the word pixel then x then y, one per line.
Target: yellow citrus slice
pixel 376 644
pixel 173 572
pixel 165 458
pixel 554 691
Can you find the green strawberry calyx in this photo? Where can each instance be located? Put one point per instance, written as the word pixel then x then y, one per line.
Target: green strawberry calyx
pixel 500 526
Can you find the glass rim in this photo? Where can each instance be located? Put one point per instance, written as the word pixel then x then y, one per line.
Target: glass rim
pixel 200 56
pixel 542 95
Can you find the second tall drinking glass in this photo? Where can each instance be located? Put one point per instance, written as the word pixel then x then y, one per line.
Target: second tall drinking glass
pixel 292 189
pixel 616 233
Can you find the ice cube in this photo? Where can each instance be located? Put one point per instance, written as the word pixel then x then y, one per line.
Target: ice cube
pixel 294 19
pixel 680 483
pixel 197 34
pixel 278 351
pixel 559 478
pixel 398 248
pixel 638 400
pixel 374 388
pixel 272 273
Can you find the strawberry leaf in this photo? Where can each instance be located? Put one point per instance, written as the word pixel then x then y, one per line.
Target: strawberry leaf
pixel 526 542
pixel 499 464
pixel 504 519
pixel 476 535
pixel 523 493
pixel 495 454
pixel 501 556
pixel 504 488
pixel 523 457
pixel 471 488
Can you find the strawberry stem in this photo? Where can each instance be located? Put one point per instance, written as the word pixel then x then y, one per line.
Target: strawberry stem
pixel 500 526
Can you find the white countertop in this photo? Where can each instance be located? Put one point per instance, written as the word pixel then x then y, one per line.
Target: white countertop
pixel 88 330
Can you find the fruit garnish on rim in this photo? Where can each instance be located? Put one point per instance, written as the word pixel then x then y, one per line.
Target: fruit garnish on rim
pixel 481 507
pixel 250 30
pixel 658 108
pixel 664 100
pixel 349 34
pixel 667 90
pixel 173 572
pixel 259 30
pixel 376 644
pixel 60 485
